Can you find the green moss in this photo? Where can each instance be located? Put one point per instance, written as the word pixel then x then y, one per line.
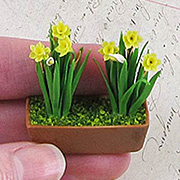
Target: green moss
pixel 85 111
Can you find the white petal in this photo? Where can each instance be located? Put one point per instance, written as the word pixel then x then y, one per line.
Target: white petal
pixel 118 57
pixel 50 61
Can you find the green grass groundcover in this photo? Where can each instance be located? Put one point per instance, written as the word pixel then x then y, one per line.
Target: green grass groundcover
pixel 85 111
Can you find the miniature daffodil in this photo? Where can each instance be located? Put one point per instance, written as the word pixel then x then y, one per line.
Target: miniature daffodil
pixel 50 61
pixel 60 30
pixel 64 46
pixel 108 48
pixel 132 39
pixel 39 52
pixel 118 57
pixel 151 62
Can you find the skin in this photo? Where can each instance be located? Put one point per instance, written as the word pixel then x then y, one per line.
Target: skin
pixel 22 160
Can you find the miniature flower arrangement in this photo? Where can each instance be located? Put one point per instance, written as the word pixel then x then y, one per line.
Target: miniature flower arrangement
pixel 79 125
pixel 127 81
pixel 60 73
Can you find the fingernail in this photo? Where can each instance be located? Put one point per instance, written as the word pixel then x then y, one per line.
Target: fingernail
pixel 42 162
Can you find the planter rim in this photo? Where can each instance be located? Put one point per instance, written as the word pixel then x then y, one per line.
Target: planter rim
pixel 85 127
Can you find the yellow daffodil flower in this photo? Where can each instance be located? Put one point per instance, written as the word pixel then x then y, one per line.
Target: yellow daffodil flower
pixel 39 52
pixel 132 39
pixel 60 30
pixel 151 62
pixel 65 46
pixel 108 48
pixel 50 61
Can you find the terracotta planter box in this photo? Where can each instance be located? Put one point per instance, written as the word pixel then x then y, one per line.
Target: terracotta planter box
pixel 90 140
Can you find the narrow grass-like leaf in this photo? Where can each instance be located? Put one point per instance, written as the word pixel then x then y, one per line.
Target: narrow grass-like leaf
pixel 144 95
pixel 113 71
pixel 143 85
pixel 67 100
pixel 140 76
pixel 79 73
pixel 56 89
pixel 108 64
pixel 111 95
pixel 122 83
pixel 51 38
pixel 142 52
pixel 48 72
pixel 137 89
pixel 77 63
pixel 64 81
pixel 121 45
pixel 132 67
pixel 43 87
pixel 126 97
pixel 65 69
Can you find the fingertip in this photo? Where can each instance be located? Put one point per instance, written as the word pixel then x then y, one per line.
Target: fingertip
pixel 40 161
pixel 101 167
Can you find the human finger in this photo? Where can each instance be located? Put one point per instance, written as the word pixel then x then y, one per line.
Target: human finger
pixel 29 161
pixel 12 120
pixel 93 167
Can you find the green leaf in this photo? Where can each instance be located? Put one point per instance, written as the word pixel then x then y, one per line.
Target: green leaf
pixel 137 89
pixel 43 87
pixel 65 69
pixel 67 100
pixel 127 95
pixel 132 67
pixel 77 63
pixel 121 45
pixel 48 72
pixel 122 83
pixel 113 71
pixel 142 52
pixel 56 89
pixel 143 85
pixel 107 64
pixel 147 90
pixel 111 95
pixel 53 44
pixel 79 73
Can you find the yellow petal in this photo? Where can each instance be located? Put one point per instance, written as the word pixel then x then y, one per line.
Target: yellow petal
pixel 32 55
pixel 46 56
pixel 116 49
pixel 158 62
pixel 154 68
pixel 58 49
pixel 100 51
pixel 54 31
pixel 39 59
pixel 139 39
pixel 59 23
pixel 63 53
pixel 32 47
pixel 68 32
pixel 136 45
pixel 105 43
pixel 153 55
pixel 106 57
pixel 40 45
pixel 112 43
pixel 47 50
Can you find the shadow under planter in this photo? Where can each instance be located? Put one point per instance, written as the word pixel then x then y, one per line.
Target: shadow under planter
pixel 88 139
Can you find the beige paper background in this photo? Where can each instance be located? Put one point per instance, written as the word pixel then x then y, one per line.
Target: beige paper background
pixel 159 22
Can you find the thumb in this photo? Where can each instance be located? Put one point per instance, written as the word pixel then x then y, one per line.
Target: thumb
pixel 29 161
